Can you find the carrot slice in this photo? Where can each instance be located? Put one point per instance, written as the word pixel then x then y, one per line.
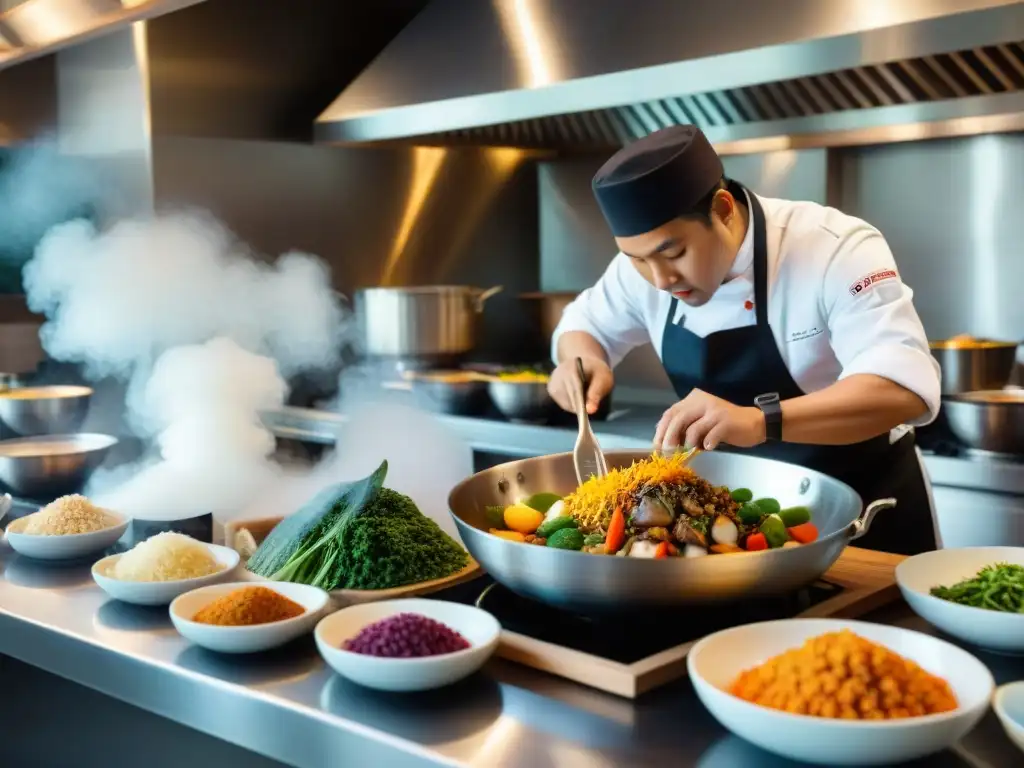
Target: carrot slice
pixel 616 535
pixel 756 542
pixel 662 551
pixel 805 533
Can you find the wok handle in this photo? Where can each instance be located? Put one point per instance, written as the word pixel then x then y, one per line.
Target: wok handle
pixel 861 525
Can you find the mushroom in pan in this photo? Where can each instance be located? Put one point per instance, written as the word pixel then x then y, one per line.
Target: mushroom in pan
pixel 651 512
pixel 724 531
pixel 692 550
pixel 685 533
pixel 644 548
pixel 692 507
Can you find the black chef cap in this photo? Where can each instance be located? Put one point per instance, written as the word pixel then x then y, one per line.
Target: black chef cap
pixel 656 179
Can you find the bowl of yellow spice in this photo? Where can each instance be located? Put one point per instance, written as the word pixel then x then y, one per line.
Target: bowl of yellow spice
pixel 241 617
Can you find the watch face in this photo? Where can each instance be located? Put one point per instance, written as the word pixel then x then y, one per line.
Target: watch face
pixel 766 399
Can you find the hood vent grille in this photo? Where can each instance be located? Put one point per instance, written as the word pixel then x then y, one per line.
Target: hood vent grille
pixel 961 74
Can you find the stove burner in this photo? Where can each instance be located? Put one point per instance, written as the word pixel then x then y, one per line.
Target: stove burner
pixel 643 635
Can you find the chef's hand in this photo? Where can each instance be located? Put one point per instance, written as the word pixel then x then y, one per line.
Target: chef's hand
pixel 599 376
pixel 704 421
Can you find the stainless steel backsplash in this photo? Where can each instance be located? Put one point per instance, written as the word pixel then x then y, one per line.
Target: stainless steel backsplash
pixel 951 212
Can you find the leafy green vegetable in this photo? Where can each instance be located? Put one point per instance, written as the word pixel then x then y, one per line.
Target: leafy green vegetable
pixel 998 587
pixel 593 540
pixel 387 543
pixel 296 548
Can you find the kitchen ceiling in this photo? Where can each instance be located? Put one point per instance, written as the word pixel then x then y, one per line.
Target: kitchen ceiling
pixel 595 73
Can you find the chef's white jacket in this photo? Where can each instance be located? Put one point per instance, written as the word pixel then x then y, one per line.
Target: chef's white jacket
pixel 836 304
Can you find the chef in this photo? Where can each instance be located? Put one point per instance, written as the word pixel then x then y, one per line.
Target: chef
pixel 783 326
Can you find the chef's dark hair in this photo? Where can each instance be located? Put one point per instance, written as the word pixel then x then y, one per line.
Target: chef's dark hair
pixel 702 210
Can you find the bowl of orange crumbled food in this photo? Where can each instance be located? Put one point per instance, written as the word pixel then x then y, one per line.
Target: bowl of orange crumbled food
pixel 836 692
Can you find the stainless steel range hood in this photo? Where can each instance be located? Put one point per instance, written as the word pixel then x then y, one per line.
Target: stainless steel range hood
pixel 31 28
pixel 598 73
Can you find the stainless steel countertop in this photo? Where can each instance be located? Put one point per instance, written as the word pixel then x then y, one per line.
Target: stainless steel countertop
pixel 628 428
pixel 288 706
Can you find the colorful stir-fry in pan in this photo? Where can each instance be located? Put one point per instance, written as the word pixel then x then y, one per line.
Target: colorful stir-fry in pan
pixel 655 508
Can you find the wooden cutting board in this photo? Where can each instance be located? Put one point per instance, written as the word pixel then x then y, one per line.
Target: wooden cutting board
pixel 867 579
pixel 343 597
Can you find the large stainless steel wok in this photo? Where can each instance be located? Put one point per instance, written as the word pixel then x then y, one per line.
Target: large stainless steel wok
pixel 587 583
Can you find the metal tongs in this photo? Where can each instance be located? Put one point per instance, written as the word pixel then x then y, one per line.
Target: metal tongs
pixel 587 456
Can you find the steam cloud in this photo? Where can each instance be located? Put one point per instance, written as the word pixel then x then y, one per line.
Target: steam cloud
pixel 205 335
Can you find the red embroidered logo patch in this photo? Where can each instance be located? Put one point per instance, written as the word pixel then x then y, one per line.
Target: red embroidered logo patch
pixel 875 277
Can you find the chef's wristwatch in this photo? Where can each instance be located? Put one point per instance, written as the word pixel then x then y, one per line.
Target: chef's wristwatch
pixel 771 407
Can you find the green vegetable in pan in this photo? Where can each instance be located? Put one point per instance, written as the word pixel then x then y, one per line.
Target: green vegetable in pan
pixel 566 538
pixel 495 514
pixel 768 506
pixel 548 527
pixel 742 495
pixel 542 502
pixel 750 513
pixel 793 516
pixel 775 531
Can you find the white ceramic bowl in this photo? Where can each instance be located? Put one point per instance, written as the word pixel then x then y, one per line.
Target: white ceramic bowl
pixel 1009 706
pixel 479 628
pixel 160 592
pixel 251 639
pixel 69 547
pixel 992 630
pixel 716 661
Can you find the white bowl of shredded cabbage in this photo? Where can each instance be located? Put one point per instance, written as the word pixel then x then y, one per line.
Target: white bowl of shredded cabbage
pixel 162 567
pixel 67 528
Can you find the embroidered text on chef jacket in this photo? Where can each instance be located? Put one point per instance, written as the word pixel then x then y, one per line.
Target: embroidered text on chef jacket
pixel 836 304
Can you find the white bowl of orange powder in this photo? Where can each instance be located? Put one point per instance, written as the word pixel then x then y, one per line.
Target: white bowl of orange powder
pixel 241 617
pixel 837 692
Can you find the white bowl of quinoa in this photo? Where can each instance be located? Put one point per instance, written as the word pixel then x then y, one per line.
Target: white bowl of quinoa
pixel 162 567
pixel 65 529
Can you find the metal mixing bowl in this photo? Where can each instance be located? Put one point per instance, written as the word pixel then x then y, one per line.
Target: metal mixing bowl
pixel 988 421
pixel 47 466
pixel 526 401
pixel 457 393
pixel 972 365
pixel 52 410
pixel 595 584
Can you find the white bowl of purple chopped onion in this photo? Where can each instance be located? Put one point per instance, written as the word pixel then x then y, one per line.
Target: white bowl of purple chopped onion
pixel 407 645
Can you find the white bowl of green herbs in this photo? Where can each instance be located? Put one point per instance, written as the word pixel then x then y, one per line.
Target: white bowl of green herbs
pixel 975 594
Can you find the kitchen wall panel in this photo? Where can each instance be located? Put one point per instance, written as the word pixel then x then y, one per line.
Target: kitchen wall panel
pixel 951 212
pixel 28 100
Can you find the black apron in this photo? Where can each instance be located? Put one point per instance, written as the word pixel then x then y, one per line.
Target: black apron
pixel 739 364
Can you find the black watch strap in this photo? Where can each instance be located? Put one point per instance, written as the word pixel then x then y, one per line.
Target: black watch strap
pixel 771 407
